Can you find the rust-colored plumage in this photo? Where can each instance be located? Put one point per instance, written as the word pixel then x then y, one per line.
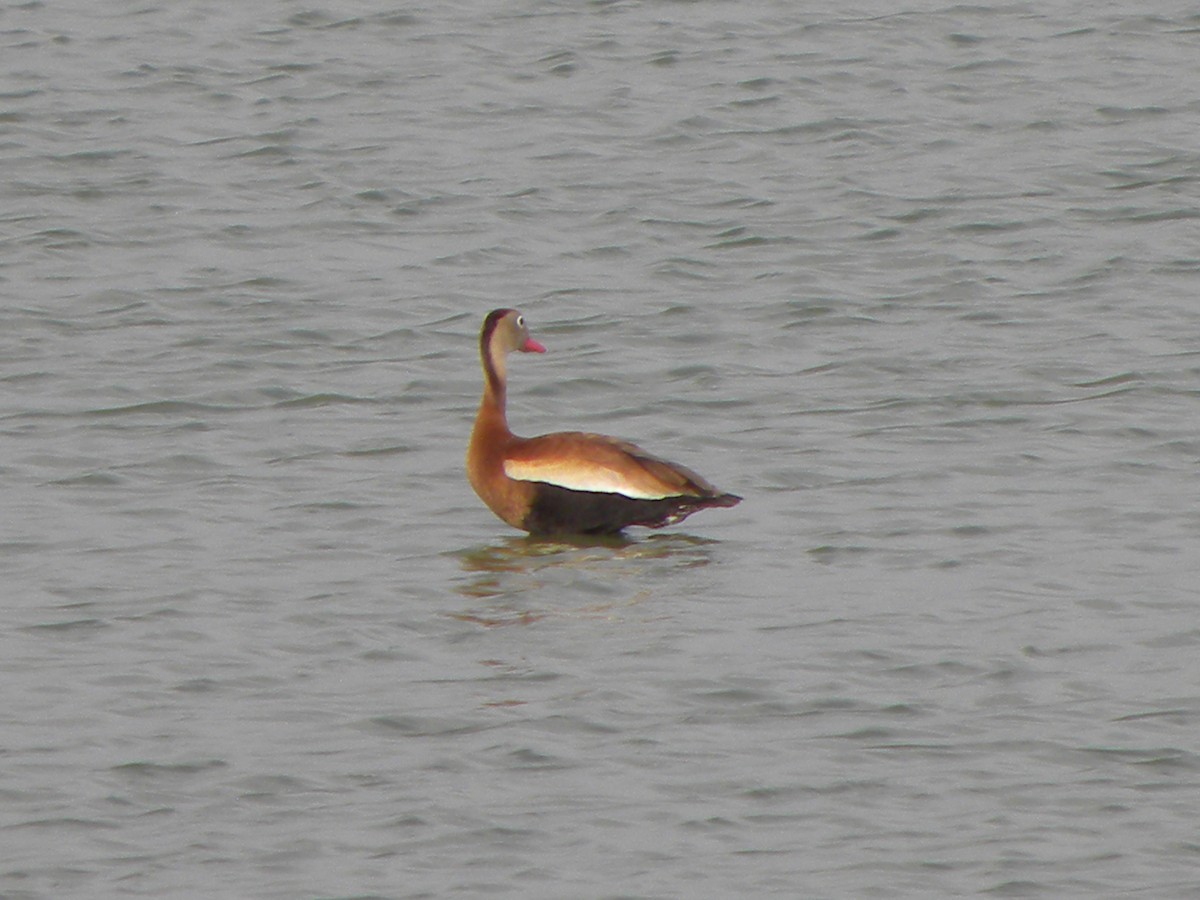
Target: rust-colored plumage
pixel 568 482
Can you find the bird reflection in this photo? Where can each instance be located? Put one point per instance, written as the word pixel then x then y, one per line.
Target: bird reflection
pixel 525 579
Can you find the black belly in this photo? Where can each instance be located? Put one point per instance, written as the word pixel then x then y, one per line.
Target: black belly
pixel 559 510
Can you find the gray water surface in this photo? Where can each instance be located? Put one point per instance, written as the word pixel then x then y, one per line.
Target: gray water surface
pixel 919 283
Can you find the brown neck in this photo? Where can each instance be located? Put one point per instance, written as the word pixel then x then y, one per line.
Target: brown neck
pixel 494 380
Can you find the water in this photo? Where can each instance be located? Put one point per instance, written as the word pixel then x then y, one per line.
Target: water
pixel 919 284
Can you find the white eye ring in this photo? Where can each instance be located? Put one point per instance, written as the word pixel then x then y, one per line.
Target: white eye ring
pixel 520 321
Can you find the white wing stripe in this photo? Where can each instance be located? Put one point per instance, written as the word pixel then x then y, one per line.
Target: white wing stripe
pixel 596 479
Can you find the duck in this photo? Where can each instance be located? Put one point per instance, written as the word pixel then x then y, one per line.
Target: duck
pixel 568 482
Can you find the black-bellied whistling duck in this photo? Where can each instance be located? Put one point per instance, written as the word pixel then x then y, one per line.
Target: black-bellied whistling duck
pixel 568 482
